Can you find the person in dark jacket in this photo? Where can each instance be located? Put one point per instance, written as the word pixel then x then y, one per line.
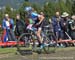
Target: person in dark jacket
pixel 20 25
pixel 51 31
pixel 56 25
pixel 72 27
pixel 64 24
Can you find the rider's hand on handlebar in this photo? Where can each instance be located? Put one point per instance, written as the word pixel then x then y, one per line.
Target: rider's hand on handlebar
pixel 37 24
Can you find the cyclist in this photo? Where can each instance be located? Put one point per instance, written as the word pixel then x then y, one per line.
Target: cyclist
pixel 40 23
pixel 36 22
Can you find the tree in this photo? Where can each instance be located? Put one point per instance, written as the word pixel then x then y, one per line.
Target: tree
pixel 8 10
pixel 22 9
pixel 1 16
pixel 73 7
pixel 37 7
pixel 57 7
pixel 69 6
pixel 63 6
pixel 26 0
pixel 49 9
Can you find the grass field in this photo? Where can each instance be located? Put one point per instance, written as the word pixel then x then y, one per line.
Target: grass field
pixel 60 54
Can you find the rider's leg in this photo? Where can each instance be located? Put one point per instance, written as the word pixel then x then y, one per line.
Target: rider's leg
pixel 39 35
pixel 40 38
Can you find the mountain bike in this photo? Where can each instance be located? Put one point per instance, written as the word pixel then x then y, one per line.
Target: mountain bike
pixel 30 41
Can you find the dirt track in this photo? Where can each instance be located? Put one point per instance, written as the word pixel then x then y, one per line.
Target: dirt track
pixel 63 54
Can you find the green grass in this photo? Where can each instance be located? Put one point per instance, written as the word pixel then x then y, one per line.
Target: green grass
pixel 65 49
pixel 7 50
pixel 14 50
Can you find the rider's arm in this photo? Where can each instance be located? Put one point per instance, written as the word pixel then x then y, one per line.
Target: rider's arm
pixel 40 22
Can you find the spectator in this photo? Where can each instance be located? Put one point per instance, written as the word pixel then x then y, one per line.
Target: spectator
pixel 72 27
pixel 64 24
pixel 20 25
pixel 8 26
pixel 51 31
pixel 56 25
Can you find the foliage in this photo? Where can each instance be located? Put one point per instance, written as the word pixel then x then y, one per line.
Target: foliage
pixel 69 6
pixel 49 8
pixel 22 9
pixel 73 8
pixel 37 7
